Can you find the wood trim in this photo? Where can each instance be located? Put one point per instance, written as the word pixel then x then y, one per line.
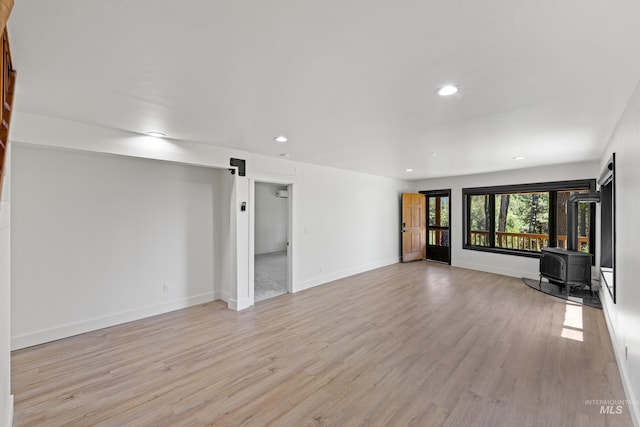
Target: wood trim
pixel 5 11
pixel 7 91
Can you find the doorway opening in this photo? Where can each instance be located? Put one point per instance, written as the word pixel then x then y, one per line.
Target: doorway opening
pixel 438 210
pixel 271 247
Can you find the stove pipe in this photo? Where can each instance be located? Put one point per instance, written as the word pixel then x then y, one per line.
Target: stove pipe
pixel 572 216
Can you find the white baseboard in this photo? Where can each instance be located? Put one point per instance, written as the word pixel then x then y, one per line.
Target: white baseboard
pixel 495 270
pixel 224 296
pixel 321 280
pixel 8 420
pixel 64 331
pixel 234 304
pixel 238 305
pixel 624 375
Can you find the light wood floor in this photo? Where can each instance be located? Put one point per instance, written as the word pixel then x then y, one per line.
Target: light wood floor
pixel 410 344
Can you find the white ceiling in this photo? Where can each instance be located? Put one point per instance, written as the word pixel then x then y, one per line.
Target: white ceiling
pixel 350 82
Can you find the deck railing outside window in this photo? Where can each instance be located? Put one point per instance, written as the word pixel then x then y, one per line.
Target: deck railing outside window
pixel 438 237
pixel 523 241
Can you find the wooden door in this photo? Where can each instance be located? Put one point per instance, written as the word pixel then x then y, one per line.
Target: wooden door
pixel 414 227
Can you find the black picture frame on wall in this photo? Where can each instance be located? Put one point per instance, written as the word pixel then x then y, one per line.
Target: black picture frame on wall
pixel 607 183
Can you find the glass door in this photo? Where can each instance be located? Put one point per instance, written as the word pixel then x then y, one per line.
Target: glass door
pixel 438 220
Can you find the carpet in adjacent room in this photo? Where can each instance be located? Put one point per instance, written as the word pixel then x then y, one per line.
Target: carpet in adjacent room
pixel 270 275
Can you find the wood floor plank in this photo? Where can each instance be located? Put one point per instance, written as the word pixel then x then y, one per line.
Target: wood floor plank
pixel 409 344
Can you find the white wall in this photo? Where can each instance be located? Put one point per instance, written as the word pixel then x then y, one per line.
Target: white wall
pixel 343 222
pixel 623 317
pixel 239 296
pixel 271 221
pixel 224 280
pixel 6 399
pixel 509 265
pixel 97 237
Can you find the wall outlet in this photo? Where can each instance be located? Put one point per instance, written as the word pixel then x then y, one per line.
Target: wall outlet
pixel 165 288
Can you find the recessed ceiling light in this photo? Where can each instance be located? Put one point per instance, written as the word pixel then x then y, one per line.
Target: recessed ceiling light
pixel 285 155
pixel 408 170
pixel 433 154
pixel 281 139
pixel 447 90
pixel 156 134
pixel 518 158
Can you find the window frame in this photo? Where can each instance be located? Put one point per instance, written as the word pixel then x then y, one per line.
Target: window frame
pixel 607 184
pixel 551 187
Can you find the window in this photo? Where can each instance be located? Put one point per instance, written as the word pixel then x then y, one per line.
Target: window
pixel 438 220
pixel 439 211
pixel 479 219
pixel 608 227
pixel 523 219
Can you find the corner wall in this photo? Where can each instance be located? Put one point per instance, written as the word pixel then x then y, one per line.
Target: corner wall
pixel 343 222
pixel 101 239
pixel 6 398
pixel 224 282
pixel 623 318
pixel 509 265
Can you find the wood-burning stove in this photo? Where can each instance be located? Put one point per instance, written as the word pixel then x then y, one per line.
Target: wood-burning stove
pixel 566 267
pixel 569 267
